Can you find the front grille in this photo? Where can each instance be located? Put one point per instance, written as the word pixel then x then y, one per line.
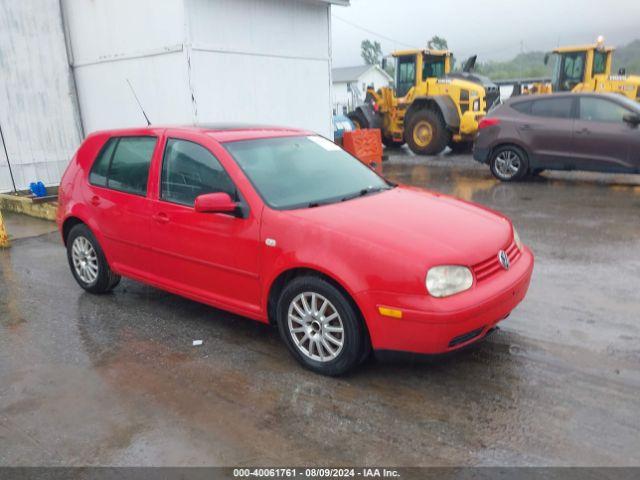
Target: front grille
pixel 465 337
pixel 492 265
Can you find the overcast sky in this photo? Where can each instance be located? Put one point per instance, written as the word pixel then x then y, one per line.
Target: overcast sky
pixel 494 29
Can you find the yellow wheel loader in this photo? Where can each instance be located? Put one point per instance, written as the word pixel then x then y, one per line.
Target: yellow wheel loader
pixel 587 68
pixel 429 107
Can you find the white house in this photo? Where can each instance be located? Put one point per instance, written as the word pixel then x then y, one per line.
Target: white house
pixel 65 66
pixel 350 85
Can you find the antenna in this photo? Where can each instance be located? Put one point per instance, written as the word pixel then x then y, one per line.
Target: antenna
pixel 139 104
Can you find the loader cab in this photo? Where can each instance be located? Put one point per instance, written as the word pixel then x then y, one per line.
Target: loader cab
pixel 573 66
pixel 414 66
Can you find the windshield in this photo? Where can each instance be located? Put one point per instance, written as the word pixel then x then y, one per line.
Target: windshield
pixel 301 172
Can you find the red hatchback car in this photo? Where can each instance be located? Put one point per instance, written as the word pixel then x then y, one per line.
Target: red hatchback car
pixel 284 227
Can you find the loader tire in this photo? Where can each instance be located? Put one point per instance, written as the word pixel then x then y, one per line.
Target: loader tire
pixel 358 119
pixel 459 148
pixel 391 143
pixel 426 133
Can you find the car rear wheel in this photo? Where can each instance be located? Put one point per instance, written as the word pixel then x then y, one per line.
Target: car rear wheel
pixel 88 263
pixel 320 326
pixel 509 163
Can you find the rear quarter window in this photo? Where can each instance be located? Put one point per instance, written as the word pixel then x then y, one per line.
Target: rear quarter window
pixel 522 107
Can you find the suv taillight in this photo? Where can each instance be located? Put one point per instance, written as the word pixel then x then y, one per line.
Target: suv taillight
pixel 488 122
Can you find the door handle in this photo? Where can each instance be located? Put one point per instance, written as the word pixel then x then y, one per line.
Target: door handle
pixel 583 131
pixel 95 200
pixel 161 218
pixel 526 126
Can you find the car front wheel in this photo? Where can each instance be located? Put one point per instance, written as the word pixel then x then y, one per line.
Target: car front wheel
pixel 88 263
pixel 509 163
pixel 320 326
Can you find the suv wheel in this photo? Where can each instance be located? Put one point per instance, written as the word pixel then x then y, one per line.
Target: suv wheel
pixel 320 326
pixel 509 163
pixel 88 263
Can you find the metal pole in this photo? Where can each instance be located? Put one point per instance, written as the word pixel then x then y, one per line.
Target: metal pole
pixel 13 182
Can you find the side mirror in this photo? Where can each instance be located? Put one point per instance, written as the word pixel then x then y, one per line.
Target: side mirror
pixel 622 72
pixel 384 63
pixel 632 119
pixel 215 203
pixel 546 58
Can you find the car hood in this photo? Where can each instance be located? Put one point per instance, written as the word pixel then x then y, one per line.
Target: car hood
pixel 417 224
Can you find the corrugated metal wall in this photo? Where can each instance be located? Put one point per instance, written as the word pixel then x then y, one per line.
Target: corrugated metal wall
pixel 264 61
pixel 253 61
pixel 38 112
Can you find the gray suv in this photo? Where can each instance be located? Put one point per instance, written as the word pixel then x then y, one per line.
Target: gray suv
pixel 570 131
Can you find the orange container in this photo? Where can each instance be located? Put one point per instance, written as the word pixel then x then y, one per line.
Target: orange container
pixel 365 145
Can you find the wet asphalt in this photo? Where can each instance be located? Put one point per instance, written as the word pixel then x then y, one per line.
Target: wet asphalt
pixel 115 380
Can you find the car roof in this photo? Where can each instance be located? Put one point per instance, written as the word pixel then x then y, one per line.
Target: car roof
pixel 221 132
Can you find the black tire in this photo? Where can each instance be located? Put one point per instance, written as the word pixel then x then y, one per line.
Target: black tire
pixel 459 148
pixel 358 119
pixel 354 337
pixel 436 136
pixel 391 143
pixel 499 162
pixel 105 280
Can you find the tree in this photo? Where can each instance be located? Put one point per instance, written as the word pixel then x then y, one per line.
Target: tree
pixel 437 43
pixel 371 52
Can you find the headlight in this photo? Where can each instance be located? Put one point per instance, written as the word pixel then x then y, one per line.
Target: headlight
pixel 447 280
pixel 516 238
pixel 476 105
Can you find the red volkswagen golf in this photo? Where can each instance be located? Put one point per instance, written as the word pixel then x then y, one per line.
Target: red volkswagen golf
pixel 284 227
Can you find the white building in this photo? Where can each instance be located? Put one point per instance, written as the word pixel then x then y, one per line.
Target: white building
pixel 350 85
pixel 65 65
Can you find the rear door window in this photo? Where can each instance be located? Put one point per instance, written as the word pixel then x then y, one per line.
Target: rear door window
pixel 553 107
pixel 123 164
pixel 100 169
pixel 601 110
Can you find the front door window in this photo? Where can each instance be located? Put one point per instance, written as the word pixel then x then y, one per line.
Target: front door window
pixel 406 75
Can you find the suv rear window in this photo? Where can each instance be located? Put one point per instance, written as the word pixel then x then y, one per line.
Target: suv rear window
pixel 123 164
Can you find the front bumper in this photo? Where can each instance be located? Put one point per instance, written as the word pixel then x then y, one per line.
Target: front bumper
pixel 434 326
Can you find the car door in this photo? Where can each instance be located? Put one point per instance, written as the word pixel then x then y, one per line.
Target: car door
pixel 547 130
pixel 602 139
pixel 117 201
pixel 211 257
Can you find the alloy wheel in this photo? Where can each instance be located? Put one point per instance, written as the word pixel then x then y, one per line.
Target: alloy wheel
pixel 85 260
pixel 507 164
pixel 315 327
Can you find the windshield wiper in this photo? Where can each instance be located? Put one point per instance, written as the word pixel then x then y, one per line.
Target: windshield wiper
pixel 365 191
pixel 361 193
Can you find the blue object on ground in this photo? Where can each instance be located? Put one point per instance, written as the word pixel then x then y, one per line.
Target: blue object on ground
pixel 341 124
pixel 38 189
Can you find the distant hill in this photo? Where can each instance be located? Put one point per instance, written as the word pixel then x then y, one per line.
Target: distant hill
pixel 627 57
pixel 531 64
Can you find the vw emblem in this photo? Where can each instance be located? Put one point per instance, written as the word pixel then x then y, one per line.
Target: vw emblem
pixel 503 259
